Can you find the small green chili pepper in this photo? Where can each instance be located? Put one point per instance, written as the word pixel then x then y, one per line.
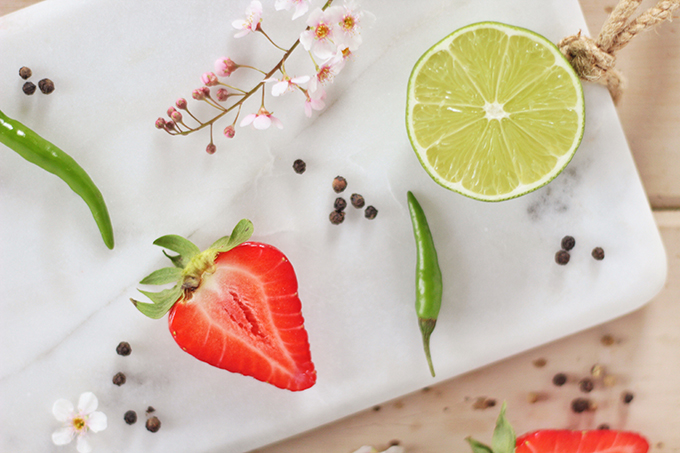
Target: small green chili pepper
pixel 428 276
pixel 35 149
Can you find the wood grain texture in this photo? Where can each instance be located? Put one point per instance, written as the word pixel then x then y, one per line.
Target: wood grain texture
pixel 643 357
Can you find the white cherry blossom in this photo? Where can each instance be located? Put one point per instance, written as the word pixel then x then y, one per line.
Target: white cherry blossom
pixel 78 421
pixel 252 20
pixel 301 6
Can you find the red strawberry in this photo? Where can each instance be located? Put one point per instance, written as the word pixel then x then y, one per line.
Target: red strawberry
pixel 595 441
pixel 559 441
pixel 235 306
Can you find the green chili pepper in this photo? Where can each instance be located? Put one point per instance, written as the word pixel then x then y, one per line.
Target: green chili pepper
pixel 428 276
pixel 35 149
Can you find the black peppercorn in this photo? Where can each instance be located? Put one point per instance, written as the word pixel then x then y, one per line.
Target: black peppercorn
pixel 46 86
pixel 586 385
pixel 29 88
pixel 123 348
pixel 562 257
pixel 153 424
pixel 370 212
pixel 130 417
pixel 337 217
pixel 150 409
pixel 339 184
pixel 25 73
pixel 357 200
pixel 598 253
pixel 627 397
pixel 119 379
pixel 568 243
pixel 299 166
pixel 559 379
pixel 603 426
pixel 340 204
pixel 579 405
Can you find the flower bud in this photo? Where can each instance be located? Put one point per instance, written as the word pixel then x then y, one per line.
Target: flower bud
pixel 160 123
pixel 181 103
pixel 198 94
pixel 209 79
pixel 169 126
pixel 211 148
pixel 229 131
pixel 176 116
pixel 222 94
pixel 170 110
pixel 206 91
pixel 224 67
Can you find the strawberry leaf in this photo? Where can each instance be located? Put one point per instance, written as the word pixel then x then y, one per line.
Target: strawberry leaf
pixel 162 301
pixel 241 233
pixel 478 447
pixel 177 260
pixel 503 439
pixel 184 247
pixel 162 276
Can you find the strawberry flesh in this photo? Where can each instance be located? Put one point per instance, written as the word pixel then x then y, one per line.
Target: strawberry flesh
pixel 245 317
pixel 593 441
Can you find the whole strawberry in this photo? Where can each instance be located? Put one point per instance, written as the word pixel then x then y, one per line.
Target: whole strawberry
pixel 235 306
pixel 560 441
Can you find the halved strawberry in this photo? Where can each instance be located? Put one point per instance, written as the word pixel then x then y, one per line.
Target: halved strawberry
pixel 559 441
pixel 236 307
pixel 593 441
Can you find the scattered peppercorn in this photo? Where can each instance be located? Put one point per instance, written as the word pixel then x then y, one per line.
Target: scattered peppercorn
pixel 340 204
pixel 603 426
pixel 568 243
pixel 627 397
pixel 123 348
pixel 562 257
pixel 540 363
pixel 46 86
pixel 25 73
pixel 579 405
pixel 299 166
pixel 559 379
pixel 370 212
pixel 29 88
pixel 153 424
pixel 130 417
pixel 339 184
pixel 337 217
pixel 598 253
pixel 586 385
pixel 607 340
pixel 357 200
pixel 150 410
pixel 119 379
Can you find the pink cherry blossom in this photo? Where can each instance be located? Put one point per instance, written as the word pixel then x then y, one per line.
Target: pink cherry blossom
pixel 319 36
pixel 252 20
pixel 286 84
pixel 301 6
pixel 348 21
pixel 262 120
pixel 224 67
pixel 314 101
pixel 327 72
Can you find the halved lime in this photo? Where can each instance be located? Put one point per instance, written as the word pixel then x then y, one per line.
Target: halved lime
pixel 494 111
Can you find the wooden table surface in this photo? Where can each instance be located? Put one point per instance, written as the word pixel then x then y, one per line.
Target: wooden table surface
pixel 640 352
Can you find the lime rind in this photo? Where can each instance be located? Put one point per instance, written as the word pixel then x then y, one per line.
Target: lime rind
pixel 517 177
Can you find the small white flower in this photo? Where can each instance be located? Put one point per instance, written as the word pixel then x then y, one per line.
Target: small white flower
pixel 77 423
pixel 327 72
pixel 286 84
pixel 301 6
pixel 319 36
pixel 261 120
pixel 348 21
pixel 314 101
pixel 252 20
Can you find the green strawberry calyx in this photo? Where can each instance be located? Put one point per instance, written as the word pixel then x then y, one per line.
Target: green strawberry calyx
pixel 190 265
pixel 502 441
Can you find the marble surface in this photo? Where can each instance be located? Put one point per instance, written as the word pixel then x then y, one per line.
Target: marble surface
pixel 131 62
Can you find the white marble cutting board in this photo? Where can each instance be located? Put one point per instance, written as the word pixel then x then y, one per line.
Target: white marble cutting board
pixel 117 66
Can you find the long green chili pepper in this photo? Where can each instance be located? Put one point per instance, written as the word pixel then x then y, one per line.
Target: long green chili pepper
pixel 35 149
pixel 428 276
